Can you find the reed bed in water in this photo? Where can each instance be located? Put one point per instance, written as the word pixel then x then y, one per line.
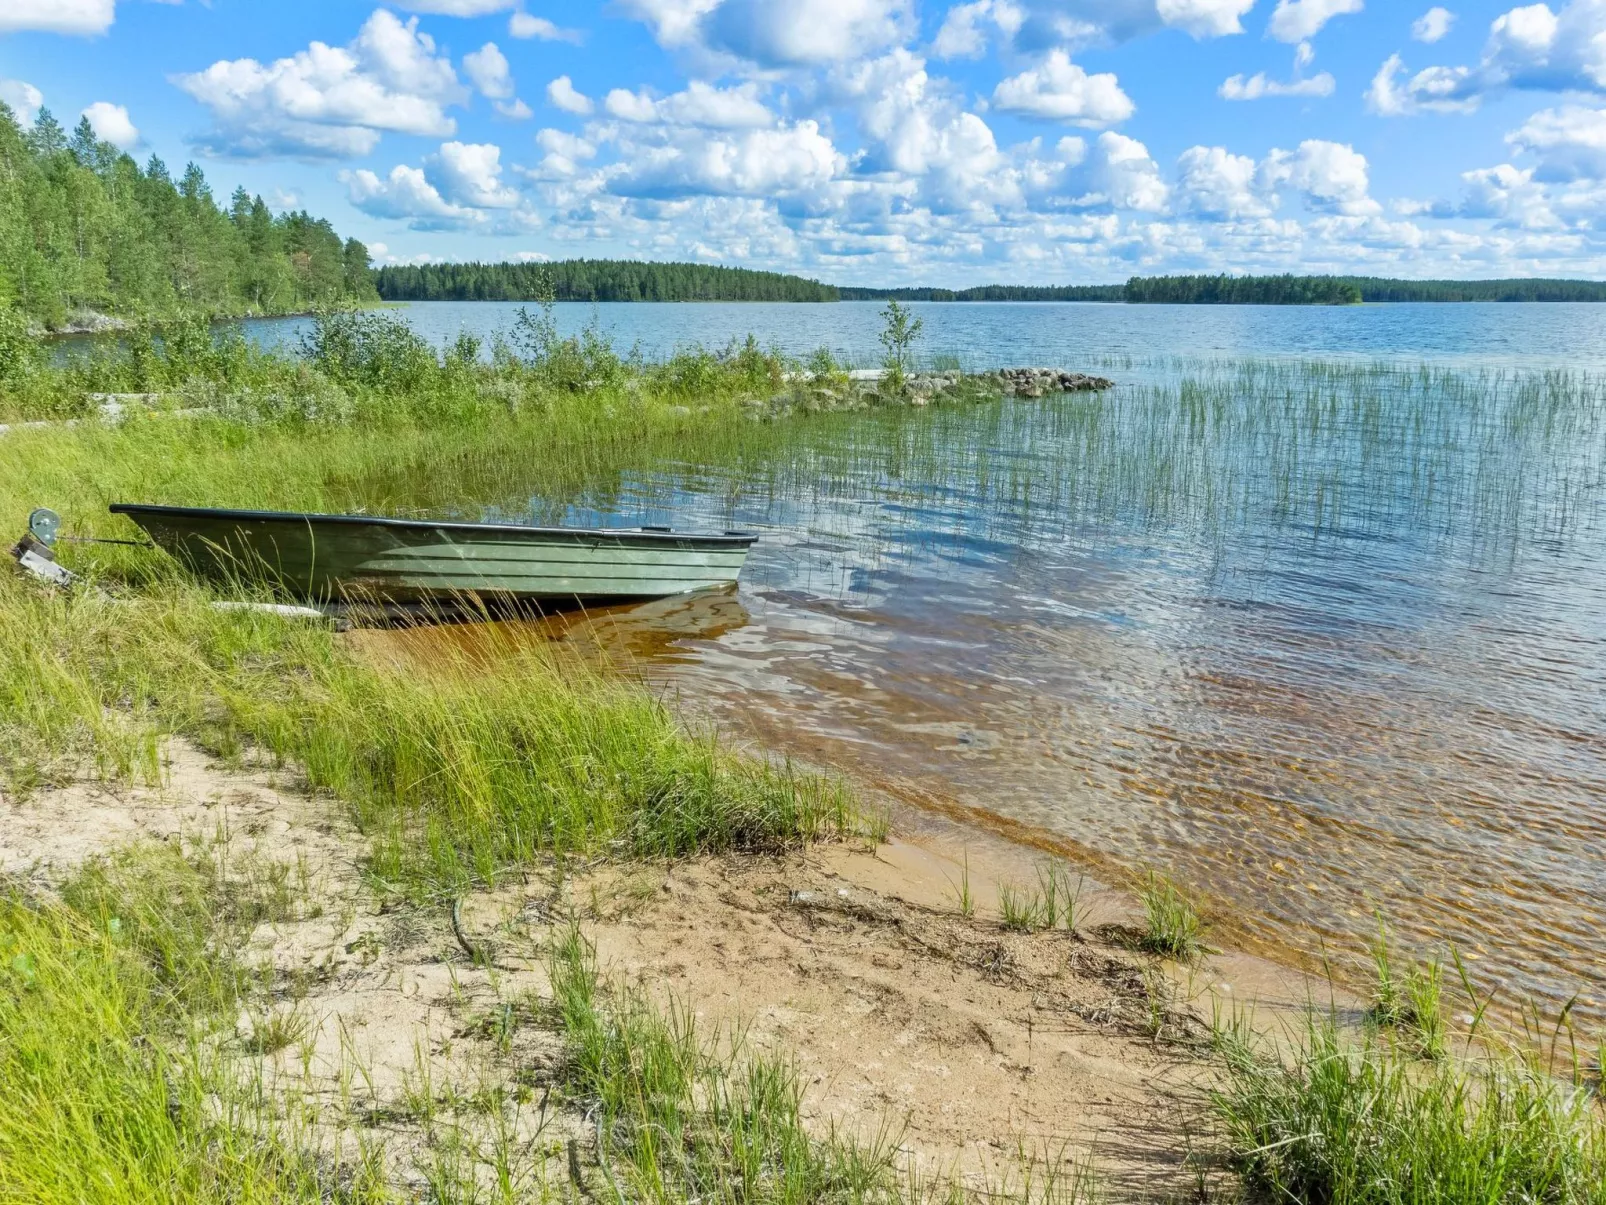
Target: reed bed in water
pixel 1226 453
pixel 1487 458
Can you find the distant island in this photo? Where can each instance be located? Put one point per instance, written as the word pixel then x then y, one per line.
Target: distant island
pixel 596 280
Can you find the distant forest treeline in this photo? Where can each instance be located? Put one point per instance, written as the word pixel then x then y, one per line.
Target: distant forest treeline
pixel 593 280
pixel 1241 290
pixel 992 293
pixel 1376 288
pixel 83 227
pixel 622 280
pixel 1348 290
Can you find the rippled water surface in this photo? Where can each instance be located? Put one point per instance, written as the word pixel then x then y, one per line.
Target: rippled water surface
pixel 990 334
pixel 1319 637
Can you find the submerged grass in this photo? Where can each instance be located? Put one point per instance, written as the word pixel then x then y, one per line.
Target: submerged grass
pixel 1412 1005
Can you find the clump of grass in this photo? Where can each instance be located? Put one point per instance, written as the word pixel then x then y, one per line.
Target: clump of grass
pixel 1062 901
pixel 1357 1121
pixel 1019 907
pixel 1412 1005
pixel 459 775
pixel 962 893
pixel 1172 925
pixel 277 1030
pixel 1053 903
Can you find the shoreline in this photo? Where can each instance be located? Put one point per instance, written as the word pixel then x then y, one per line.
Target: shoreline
pixel 850 958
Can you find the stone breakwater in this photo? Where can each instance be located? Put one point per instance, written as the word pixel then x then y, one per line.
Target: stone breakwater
pixel 864 389
pixel 1039 382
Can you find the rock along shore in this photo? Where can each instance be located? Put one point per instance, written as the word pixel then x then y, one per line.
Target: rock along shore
pixel 866 388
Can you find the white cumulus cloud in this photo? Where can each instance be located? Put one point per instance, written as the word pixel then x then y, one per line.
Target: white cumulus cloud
pixel 330 102
pixel 565 153
pixel 470 174
pixel 407 194
pixel 1260 85
pixel 759 163
pixel 112 124
pixel 920 143
pixel 1531 47
pixel 700 104
pixel 1507 194
pixel 1569 142
pixel 964 34
pixel 459 187
pixel 1433 25
pixel 562 94
pixel 1059 90
pixel 488 68
pixel 779 33
pixel 1431 90
pixel 524 25
pixel 1298 20
pixel 57 16
pixel 1333 176
pixel 1073 23
pixel 1214 183
pixel 1204 18
pixel 1125 175
pixel 23 98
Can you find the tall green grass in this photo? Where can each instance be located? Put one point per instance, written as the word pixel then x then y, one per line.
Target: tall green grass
pixel 111 1087
pixel 458 769
pixel 1362 1120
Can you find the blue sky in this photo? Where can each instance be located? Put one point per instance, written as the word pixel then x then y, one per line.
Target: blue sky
pixel 870 141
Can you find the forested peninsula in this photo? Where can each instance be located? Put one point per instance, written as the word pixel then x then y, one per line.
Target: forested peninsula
pixel 593 280
pixel 85 232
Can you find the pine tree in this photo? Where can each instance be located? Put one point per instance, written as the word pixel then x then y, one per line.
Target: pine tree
pixel 82 227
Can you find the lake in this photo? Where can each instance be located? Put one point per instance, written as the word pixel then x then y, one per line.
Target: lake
pixel 1309 612
pixel 992 334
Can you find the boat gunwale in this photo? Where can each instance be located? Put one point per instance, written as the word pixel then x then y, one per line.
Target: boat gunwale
pixel 743 540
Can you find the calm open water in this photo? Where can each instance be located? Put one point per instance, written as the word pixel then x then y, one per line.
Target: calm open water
pixel 1319 641
pixel 991 335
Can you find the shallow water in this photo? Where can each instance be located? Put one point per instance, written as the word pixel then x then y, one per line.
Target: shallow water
pixel 1319 641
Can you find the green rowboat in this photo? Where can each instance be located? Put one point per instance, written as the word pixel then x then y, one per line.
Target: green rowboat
pixel 362 558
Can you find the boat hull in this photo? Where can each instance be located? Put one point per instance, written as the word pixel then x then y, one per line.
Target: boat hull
pixel 355 558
